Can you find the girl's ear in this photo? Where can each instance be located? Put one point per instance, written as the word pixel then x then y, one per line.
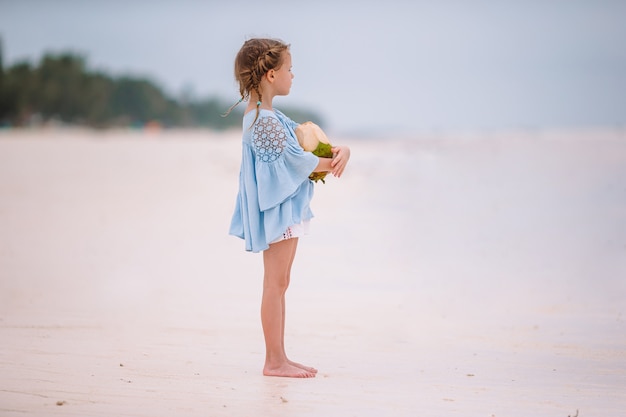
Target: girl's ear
pixel 270 75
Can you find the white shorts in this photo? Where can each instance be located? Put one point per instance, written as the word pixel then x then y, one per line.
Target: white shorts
pixel 297 230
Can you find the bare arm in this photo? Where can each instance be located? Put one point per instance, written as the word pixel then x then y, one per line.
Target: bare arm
pixel 337 163
pixel 324 165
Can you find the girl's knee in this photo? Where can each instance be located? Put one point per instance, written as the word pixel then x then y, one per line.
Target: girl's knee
pixel 276 282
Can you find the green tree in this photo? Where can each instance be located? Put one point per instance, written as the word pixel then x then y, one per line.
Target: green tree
pixel 4 108
pixel 18 92
pixel 96 98
pixel 60 82
pixel 138 100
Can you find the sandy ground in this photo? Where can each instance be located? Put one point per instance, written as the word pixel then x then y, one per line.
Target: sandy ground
pixel 447 275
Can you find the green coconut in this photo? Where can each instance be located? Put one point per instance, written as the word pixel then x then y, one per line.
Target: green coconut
pixel 313 139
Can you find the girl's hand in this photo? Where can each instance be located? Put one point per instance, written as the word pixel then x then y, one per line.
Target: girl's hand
pixel 340 160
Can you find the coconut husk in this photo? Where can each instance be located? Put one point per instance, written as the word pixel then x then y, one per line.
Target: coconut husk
pixel 313 139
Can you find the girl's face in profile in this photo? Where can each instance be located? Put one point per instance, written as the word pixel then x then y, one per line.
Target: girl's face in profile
pixel 283 76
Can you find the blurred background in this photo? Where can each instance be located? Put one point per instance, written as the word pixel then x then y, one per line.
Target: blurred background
pixel 486 237
pixel 361 67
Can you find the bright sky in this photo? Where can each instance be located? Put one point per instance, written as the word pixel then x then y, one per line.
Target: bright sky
pixel 365 66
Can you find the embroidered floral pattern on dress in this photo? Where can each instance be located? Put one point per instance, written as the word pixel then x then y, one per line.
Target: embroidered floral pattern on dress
pixel 269 139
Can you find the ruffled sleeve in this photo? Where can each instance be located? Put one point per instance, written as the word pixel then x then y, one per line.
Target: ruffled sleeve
pixel 281 164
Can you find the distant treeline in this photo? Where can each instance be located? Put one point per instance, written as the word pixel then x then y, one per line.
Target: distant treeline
pixel 61 89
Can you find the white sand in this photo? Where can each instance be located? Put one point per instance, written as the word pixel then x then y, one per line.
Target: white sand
pixel 469 275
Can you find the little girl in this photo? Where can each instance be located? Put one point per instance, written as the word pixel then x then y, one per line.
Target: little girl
pixel 272 207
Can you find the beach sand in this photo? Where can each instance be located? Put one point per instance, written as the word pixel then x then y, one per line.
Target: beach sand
pixel 446 275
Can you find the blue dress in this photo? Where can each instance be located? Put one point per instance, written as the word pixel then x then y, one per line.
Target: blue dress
pixel 274 187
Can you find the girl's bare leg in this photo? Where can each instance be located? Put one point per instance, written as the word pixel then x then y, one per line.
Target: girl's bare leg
pixel 299 365
pixel 277 262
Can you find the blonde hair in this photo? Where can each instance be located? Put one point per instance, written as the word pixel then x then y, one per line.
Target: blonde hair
pixel 255 58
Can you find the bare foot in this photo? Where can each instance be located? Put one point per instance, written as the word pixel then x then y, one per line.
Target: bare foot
pixel 287 370
pixel 299 365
